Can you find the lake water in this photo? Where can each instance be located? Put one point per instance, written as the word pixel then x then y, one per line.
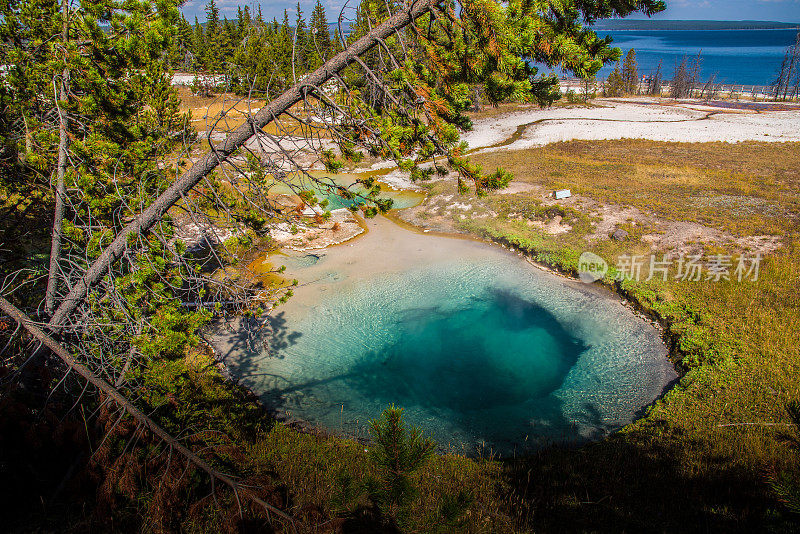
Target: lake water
pixel 750 57
pixel 479 347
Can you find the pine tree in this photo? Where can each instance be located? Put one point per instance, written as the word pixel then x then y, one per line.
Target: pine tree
pixel 320 46
pixel 227 42
pixel 284 45
pixel 214 40
pixel 256 60
pixel 244 23
pixel 199 45
pixel 300 49
pixel 615 83
pixel 336 45
pixel 122 119
pixel 630 75
pixel 181 54
pixel 212 18
pixel 399 453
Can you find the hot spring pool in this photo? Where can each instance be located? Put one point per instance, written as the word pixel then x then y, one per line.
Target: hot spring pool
pixel 479 347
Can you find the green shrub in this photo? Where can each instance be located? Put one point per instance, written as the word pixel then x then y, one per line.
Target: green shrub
pixel 398 453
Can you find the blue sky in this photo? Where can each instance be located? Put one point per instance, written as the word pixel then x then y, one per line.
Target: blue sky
pixel 777 10
pixel 773 10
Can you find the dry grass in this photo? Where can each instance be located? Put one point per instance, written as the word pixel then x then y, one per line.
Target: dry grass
pixel 745 188
pixel 206 110
pixel 227 111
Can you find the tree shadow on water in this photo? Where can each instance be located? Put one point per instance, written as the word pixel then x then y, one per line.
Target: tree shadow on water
pixel 245 345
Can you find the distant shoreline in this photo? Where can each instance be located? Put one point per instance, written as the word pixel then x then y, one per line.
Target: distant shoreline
pixel 694 29
pixel 692 25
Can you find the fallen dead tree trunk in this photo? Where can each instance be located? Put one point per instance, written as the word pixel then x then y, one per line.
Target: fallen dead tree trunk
pixel 217 155
pixel 134 412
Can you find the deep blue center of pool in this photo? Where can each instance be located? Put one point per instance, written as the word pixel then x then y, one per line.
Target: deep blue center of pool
pixel 499 350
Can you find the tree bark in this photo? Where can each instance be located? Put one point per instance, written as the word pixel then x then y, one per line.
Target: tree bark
pixel 63 143
pixel 216 155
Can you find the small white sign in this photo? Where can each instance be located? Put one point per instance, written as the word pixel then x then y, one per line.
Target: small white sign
pixel 563 193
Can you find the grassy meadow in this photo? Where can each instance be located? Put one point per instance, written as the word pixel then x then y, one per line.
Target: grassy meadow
pixel 744 188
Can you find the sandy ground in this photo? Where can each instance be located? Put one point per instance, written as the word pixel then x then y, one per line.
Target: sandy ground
pixel 634 118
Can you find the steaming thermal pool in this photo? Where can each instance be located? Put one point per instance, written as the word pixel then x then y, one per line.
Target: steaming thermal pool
pixel 478 346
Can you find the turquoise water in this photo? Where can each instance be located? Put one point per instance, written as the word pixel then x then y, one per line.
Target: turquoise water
pixel 467 354
pixel 401 199
pixel 480 349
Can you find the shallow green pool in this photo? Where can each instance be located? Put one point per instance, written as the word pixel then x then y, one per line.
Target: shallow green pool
pixel 401 198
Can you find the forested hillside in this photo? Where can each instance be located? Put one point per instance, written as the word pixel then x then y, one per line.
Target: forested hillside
pixel 257 54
